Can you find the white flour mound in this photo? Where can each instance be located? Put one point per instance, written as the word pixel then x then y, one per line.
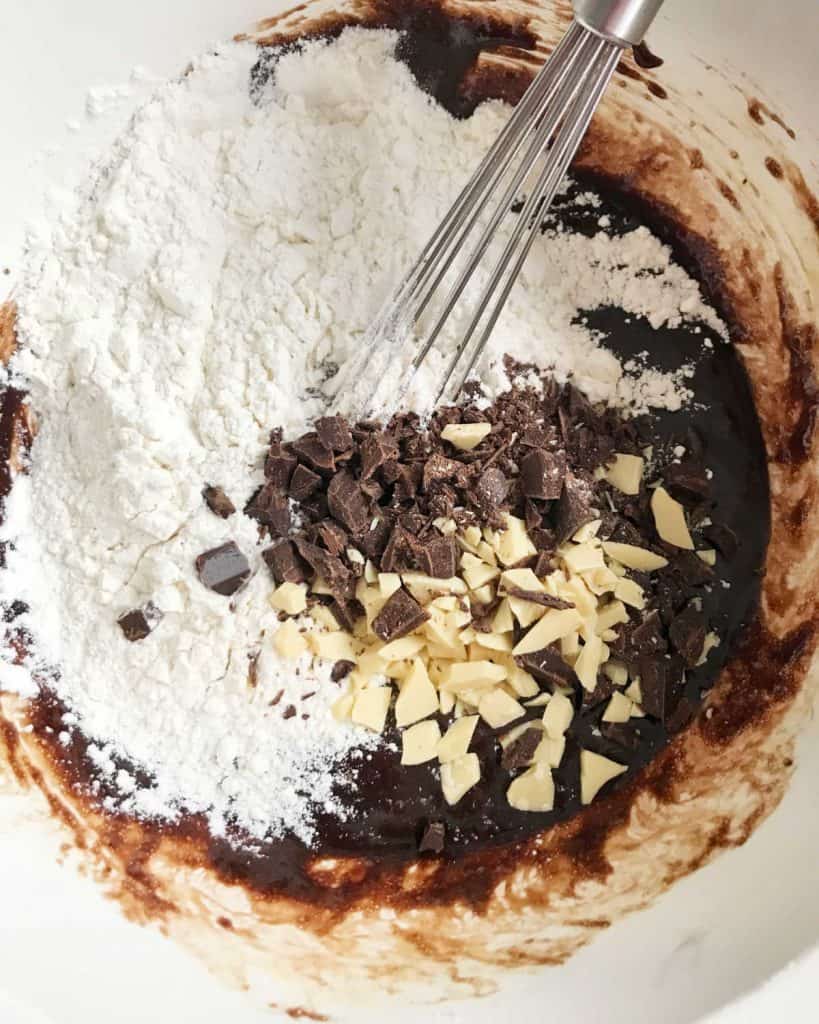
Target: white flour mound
pixel 227 252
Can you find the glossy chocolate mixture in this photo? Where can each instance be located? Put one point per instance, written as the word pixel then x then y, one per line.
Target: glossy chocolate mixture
pixel 392 802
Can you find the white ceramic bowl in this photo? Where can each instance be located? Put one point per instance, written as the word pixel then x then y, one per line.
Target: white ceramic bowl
pixel 67 955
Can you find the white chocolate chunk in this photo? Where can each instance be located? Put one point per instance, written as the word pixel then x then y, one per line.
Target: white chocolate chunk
pixel 595 772
pixel 337 646
pixel 455 741
pixel 370 707
pixel 587 531
pixel 611 615
pixel 524 579
pixel 521 682
pixel 459 776
pixel 554 625
pixel 513 542
pixel 634 692
pixel 711 641
pixel 669 518
pixel 288 641
pixel 497 709
pixel 355 555
pixel 526 612
pixel 465 436
pixel 708 555
pixel 417 698
pixel 582 557
pixel 484 594
pixel 534 790
pixel 403 647
pixel 290 598
pixel 633 557
pixel 626 473
pixel 388 583
pixel 342 708
pixel 419 743
pixel 588 662
pixel 493 642
pixel 471 674
pixel 476 572
pixel 446 702
pixel 630 593
pixel 550 751
pixel 616 672
pixel 600 580
pixel 539 701
pixel 558 715
pixel 618 708
pixel 445 525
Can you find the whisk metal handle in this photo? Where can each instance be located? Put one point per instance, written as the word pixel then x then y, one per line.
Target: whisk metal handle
pixel 623 22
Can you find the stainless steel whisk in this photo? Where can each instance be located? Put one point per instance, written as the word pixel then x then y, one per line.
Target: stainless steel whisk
pixel 530 157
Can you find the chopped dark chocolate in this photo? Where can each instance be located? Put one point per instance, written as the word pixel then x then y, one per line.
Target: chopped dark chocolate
pixel 654 685
pixel 270 507
pixel 624 734
pixel 284 562
pixel 332 536
pixel 723 538
pixel 334 433
pixel 139 622
pixel 399 616
pixel 542 564
pixel 303 482
pixel 548 666
pixel 539 597
pixel 223 569
pixel 520 751
pixel 575 507
pixel 687 632
pixel 347 503
pixel 542 474
pixel 374 539
pixel 218 502
pixel 341 670
pixel 438 556
pixel 433 838
pixel 279 466
pixel 311 449
pixel 602 691
pixel 492 488
pixel 439 467
pixel 376 451
pixel 687 481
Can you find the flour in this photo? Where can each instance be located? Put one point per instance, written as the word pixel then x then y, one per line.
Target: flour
pixel 228 255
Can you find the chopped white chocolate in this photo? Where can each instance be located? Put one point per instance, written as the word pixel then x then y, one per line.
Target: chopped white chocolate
pixel 669 518
pixel 419 743
pixel 513 543
pixel 570 646
pixel 371 706
pixel 618 708
pixel 446 702
pixel 370 572
pixel 388 583
pixel 595 772
pixel 534 790
pixel 322 616
pixel 550 751
pixel 337 646
pixel 523 579
pixel 455 741
pixel 343 707
pixel 354 555
pixel 465 436
pixel 526 612
pixel 497 709
pixel 708 555
pixel 616 671
pixel 445 526
pixel 288 641
pixel 634 692
pixel 626 473
pixel 591 657
pixel 556 623
pixel 630 593
pixel 494 642
pixel 290 598
pixel 582 557
pixel 521 682
pixel 459 776
pixel 476 572
pixel 600 580
pixel 472 536
pixel 539 701
pixel 403 647
pixel 457 674
pixel 612 614
pixel 485 551
pixel 711 641
pixel 558 715
pixel 633 557
pixel 484 594
pixel 417 698
pixel 588 531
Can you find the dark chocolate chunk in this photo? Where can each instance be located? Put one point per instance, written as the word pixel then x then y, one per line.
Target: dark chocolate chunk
pixel 331 569
pixel 218 502
pixel 377 450
pixel 438 556
pixel 284 562
pixel 347 503
pixel 433 838
pixel 686 481
pixel 542 474
pixel 660 679
pixel 439 467
pixel 139 622
pixel 341 670
pixel 399 552
pixel 542 565
pixel 624 734
pixel 520 751
pixel 223 569
pixel 374 539
pixel 346 610
pixel 334 432
pixel 723 538
pixel 279 466
pixel 269 506
pixel 536 436
pixel 311 449
pixel 548 666
pixel 575 507
pixel 332 536
pixel 687 633
pixel 492 488
pixel 603 689
pixel 399 616
pixel 647 636
pixel 692 569
pixel 539 597
pixel 303 482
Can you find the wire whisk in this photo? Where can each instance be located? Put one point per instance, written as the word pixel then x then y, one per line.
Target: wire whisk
pixel 527 164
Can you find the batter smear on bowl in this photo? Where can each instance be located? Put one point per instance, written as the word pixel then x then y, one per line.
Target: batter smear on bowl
pixel 282 636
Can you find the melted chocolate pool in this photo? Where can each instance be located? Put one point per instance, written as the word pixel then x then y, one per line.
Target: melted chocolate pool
pixel 392 802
